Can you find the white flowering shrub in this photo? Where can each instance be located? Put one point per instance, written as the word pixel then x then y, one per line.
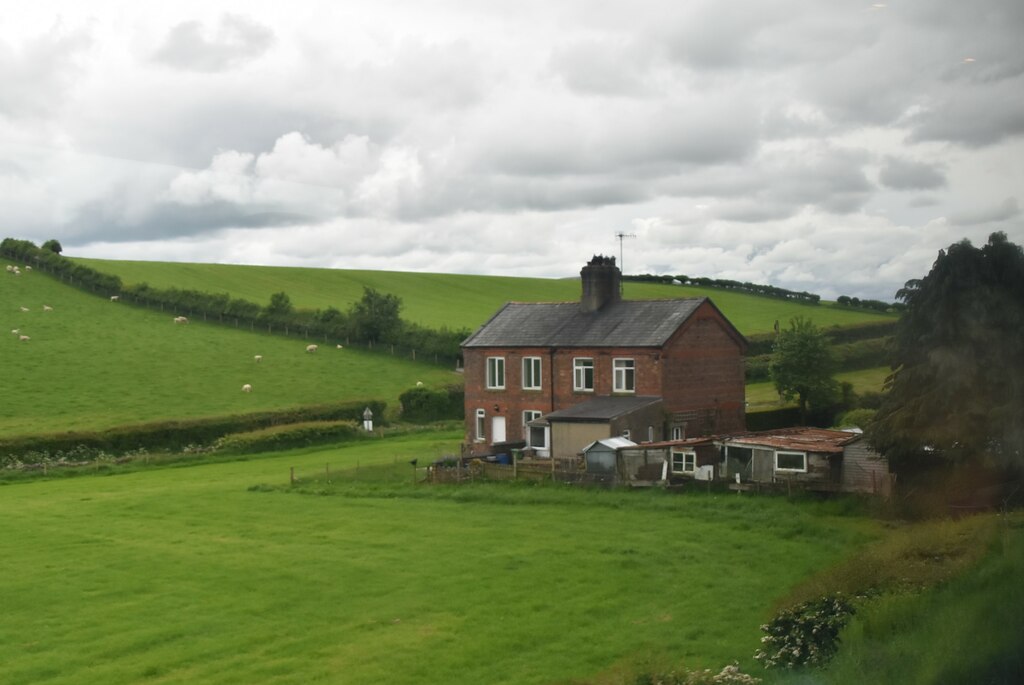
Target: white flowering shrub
pixel 805 635
pixel 730 675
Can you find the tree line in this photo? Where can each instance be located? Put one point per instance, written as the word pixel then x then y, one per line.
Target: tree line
pixel 374 321
pixel 726 284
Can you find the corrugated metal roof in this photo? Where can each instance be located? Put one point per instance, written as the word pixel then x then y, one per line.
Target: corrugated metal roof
pixel 627 323
pixel 799 439
pixel 602 408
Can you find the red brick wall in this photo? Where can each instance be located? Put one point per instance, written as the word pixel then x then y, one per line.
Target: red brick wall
pixel 700 368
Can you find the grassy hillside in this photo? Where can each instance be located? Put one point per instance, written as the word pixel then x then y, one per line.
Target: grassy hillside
pixel 186 575
pixel 92 363
pixel 455 301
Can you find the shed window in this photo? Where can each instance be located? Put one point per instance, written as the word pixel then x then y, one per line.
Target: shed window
pixel 792 462
pixel 684 461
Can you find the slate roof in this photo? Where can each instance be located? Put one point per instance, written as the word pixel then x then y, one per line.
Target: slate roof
pixel 626 323
pixel 602 409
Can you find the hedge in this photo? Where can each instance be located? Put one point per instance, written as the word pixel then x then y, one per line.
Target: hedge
pixel 176 435
pixel 289 436
pixel 424 405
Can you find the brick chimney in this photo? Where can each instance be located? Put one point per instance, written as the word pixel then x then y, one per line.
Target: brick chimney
pixel 601 282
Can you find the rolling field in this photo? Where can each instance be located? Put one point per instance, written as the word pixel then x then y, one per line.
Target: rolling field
pixel 763 396
pixel 186 575
pixel 93 364
pixel 455 301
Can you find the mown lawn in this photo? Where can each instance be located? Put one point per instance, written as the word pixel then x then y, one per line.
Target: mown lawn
pixel 178 575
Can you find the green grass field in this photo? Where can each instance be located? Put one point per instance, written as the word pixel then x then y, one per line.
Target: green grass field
pixel 455 301
pixel 93 364
pixel 185 575
pixel 763 396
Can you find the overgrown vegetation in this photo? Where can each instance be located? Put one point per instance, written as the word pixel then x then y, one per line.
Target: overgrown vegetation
pixel 727 284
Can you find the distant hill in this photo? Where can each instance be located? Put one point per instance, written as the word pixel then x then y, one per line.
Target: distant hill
pixel 455 301
pixel 91 363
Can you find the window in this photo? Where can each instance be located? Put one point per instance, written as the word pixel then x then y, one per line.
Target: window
pixel 684 461
pixel 495 373
pixel 481 424
pixel 530 415
pixel 624 374
pixel 795 462
pixel 677 432
pixel 650 434
pixel 625 434
pixel 537 435
pixel 583 374
pixel 531 373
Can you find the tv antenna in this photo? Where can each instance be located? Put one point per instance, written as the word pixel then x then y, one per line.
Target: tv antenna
pixel 620 235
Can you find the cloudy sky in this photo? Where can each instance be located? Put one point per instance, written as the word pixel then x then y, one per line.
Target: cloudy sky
pixel 832 146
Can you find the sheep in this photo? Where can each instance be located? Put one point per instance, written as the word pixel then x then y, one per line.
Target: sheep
pixel 115 298
pixel 246 388
pixel 419 384
pixel 258 358
pixel 28 268
pixel 24 338
pixel 15 331
pixel 341 347
pixel 47 308
pixel 312 348
pixel 10 268
pixel 24 309
pixel 181 319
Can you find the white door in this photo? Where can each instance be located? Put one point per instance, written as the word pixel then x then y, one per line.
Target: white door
pixel 497 429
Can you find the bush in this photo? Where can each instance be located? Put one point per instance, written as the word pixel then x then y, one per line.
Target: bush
pixel 805 635
pixel 855 418
pixel 289 437
pixel 425 405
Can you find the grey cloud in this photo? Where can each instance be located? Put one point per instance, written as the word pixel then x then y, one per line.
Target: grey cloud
pixel 237 40
pixel 102 221
pixel 36 78
pixel 603 68
pixel 975 117
pixel 1007 209
pixel 902 174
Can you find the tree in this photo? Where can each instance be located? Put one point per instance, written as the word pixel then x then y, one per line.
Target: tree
pixel 802 365
pixel 53 245
pixel 957 387
pixel 280 305
pixel 375 316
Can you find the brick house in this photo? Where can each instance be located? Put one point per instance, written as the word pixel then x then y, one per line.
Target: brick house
pixel 532 359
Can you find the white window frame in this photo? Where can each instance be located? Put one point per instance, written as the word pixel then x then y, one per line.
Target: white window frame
pixel 531 415
pixel 580 365
pixel 683 458
pixel 802 455
pixel 677 432
pixel 625 434
pixel 532 370
pixel 481 425
pixel 624 374
pixel 495 373
pixel 650 434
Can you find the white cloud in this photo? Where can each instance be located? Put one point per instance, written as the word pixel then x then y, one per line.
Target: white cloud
pixel 821 146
